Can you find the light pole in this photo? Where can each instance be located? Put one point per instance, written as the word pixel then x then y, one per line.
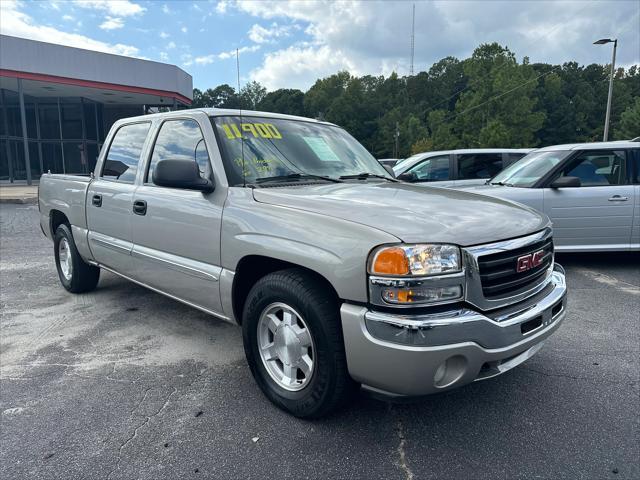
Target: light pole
pixel 603 41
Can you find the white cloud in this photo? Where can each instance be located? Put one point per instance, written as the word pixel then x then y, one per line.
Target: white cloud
pixel 373 37
pixel 300 66
pixel 13 21
pixel 171 45
pixel 184 29
pixel 116 8
pixel 240 51
pixel 68 18
pixel 165 9
pixel 221 6
pixel 164 35
pixel 260 34
pixel 207 59
pixel 164 56
pixel 112 23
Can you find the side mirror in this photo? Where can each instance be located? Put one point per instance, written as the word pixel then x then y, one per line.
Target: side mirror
pixel 562 182
pixel 389 169
pixel 408 177
pixel 180 174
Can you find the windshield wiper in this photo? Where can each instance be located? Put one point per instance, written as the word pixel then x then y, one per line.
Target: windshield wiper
pixel 502 184
pixel 294 176
pixel 365 175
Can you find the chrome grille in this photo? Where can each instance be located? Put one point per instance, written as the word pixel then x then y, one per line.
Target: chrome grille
pixel 498 273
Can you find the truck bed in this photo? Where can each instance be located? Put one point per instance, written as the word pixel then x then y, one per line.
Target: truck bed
pixel 65 194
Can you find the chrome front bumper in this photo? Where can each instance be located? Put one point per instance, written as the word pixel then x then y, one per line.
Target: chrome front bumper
pixel 414 355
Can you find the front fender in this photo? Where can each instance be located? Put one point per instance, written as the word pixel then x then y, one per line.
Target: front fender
pixel 334 248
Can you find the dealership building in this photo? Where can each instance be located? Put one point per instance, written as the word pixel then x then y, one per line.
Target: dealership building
pixel 58 103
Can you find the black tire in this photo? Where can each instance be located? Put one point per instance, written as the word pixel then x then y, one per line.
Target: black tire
pixel 83 277
pixel 330 386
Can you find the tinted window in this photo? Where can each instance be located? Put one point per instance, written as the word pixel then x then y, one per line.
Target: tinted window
pixel 479 165
pixel 530 169
pixel 598 168
pixel 634 155
pixel 432 169
pixel 180 140
pixel 124 153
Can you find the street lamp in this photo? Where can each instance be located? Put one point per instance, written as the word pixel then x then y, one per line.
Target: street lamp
pixel 604 41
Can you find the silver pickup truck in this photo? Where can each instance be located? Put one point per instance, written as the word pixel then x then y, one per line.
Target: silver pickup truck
pixel 340 275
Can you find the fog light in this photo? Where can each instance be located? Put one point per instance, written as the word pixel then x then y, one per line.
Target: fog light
pixel 421 294
pixel 450 371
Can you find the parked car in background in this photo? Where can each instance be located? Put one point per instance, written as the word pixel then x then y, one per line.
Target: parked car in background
pixel 457 167
pixel 339 274
pixel 388 161
pixel 591 192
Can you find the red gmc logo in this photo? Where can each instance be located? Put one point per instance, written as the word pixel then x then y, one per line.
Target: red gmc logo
pixel 527 262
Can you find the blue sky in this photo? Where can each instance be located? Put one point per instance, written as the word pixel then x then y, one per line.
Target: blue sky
pixel 289 43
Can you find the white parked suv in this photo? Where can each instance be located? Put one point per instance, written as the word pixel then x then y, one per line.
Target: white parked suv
pixel 449 168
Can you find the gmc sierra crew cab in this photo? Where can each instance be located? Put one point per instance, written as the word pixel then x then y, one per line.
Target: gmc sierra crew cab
pixel 340 275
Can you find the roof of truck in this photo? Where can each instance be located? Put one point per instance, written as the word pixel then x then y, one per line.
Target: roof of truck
pixel 592 146
pixel 219 112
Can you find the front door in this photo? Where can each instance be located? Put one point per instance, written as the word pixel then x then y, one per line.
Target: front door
pixel 176 235
pixel 597 215
pixel 110 196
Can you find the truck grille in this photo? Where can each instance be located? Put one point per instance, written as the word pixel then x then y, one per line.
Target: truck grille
pixel 498 271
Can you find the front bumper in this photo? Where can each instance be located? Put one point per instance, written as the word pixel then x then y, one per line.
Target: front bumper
pixel 413 355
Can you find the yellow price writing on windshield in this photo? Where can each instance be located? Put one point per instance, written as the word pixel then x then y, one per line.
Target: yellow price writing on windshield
pixel 258 130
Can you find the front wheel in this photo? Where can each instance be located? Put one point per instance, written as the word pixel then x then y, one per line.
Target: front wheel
pixel 294 345
pixel 75 274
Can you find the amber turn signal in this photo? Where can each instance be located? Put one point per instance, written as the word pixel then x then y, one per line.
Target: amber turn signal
pixel 390 261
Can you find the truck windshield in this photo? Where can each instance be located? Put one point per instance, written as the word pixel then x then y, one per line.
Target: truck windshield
pixel 290 149
pixel 529 169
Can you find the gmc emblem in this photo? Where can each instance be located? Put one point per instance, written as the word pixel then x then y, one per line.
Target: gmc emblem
pixel 527 262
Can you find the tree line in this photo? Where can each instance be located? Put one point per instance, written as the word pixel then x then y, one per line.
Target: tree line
pixel 487 100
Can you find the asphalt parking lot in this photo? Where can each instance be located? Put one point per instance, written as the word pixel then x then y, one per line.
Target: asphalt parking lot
pixel 124 383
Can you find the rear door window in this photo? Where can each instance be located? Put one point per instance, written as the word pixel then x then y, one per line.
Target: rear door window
pixel 124 153
pixel 479 165
pixel 432 169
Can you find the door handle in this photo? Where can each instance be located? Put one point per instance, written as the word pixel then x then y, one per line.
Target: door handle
pixel 618 198
pixel 96 200
pixel 140 207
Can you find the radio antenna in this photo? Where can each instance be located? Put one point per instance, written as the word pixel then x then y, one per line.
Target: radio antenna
pixel 244 181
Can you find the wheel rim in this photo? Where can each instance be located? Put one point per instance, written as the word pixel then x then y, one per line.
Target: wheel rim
pixel 64 258
pixel 286 346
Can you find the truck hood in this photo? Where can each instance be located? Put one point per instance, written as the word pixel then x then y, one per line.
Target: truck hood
pixel 410 213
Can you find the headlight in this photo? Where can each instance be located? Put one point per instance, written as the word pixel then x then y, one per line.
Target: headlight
pixel 415 260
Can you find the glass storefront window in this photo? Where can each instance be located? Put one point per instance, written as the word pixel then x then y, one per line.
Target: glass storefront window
pixel 4 164
pixel 52 157
pixel 12 108
pixel 71 115
pixel 90 120
pixel 75 158
pixel 92 156
pixel 49 121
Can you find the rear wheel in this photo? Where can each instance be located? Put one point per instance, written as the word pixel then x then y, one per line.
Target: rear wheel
pixel 293 343
pixel 75 274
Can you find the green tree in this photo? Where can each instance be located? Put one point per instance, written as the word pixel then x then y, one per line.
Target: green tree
pixel 284 100
pixel 252 94
pixel 629 126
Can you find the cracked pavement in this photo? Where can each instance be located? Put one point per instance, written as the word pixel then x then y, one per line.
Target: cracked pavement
pixel 123 383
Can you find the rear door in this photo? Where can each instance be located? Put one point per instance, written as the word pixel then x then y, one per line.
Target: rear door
pixel 477 168
pixel 110 196
pixel 598 215
pixel 177 235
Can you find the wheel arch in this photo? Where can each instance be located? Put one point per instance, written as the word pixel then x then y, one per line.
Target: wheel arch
pixel 252 268
pixel 57 218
